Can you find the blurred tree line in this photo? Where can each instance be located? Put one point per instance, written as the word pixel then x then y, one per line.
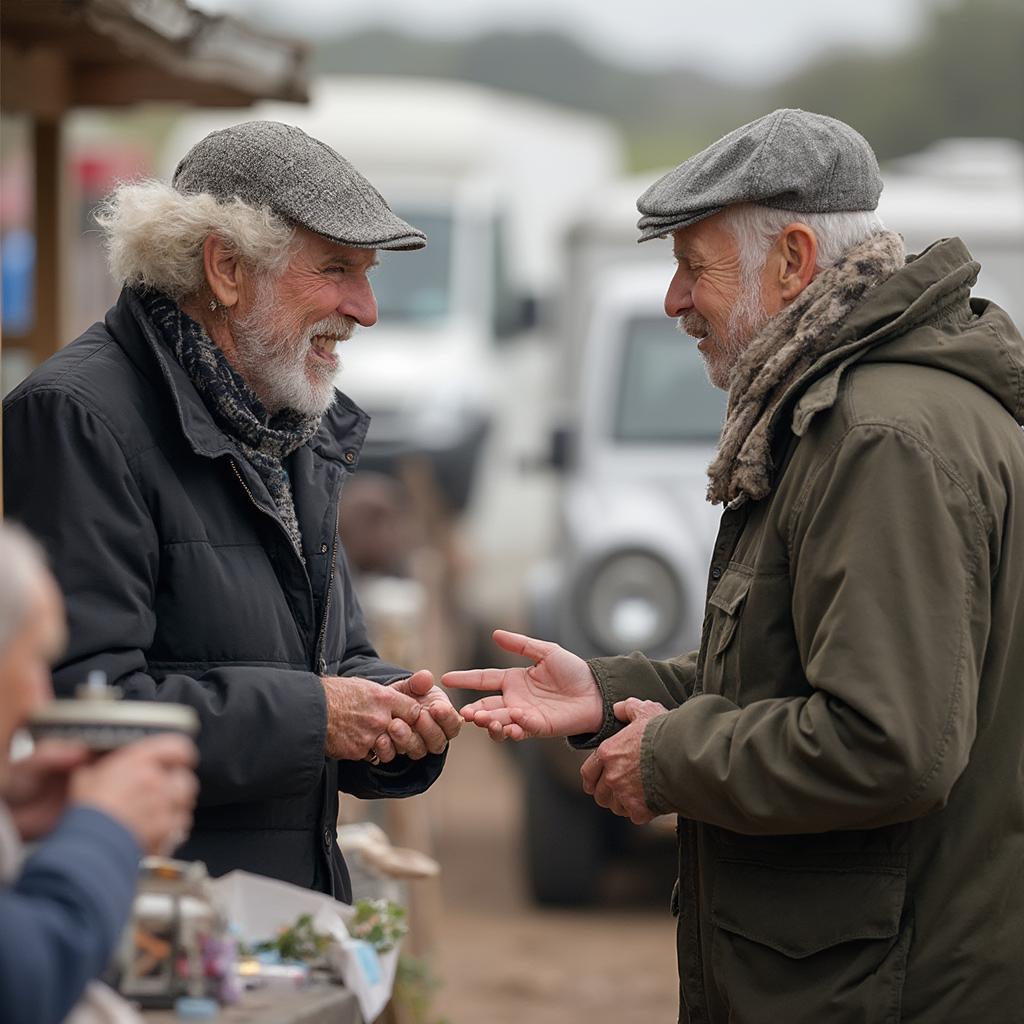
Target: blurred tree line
pixel 962 76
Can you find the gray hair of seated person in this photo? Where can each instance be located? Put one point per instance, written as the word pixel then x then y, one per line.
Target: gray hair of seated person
pixel 22 562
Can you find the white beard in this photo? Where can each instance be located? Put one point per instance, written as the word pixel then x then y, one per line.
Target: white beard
pixel 274 355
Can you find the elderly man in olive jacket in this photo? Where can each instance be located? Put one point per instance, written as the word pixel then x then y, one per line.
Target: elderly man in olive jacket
pixel 844 750
pixel 182 462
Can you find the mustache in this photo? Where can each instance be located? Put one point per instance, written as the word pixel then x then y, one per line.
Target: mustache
pixel 693 324
pixel 338 326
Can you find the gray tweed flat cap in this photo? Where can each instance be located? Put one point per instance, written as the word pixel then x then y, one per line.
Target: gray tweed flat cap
pixel 269 164
pixel 789 159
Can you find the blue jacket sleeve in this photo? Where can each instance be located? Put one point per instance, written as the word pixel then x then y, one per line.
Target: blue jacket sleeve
pixel 62 918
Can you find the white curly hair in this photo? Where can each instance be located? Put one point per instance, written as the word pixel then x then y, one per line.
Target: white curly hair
pixel 154 236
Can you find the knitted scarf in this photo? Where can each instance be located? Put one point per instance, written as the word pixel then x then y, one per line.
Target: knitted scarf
pixel 786 347
pixel 265 440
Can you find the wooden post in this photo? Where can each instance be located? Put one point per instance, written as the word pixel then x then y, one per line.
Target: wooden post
pixel 44 338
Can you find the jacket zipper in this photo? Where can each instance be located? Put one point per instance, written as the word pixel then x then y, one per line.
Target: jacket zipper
pixel 321 663
pixel 245 487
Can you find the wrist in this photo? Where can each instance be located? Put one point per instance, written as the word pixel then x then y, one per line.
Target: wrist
pixel 594 718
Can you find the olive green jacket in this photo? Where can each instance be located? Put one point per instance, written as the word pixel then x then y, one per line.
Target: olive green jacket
pixel 846 750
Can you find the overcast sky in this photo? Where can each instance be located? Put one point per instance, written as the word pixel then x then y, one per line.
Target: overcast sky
pixel 743 39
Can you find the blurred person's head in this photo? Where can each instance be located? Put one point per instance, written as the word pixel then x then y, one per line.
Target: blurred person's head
pixel 32 632
pixel 754 218
pixel 376 525
pixel 265 237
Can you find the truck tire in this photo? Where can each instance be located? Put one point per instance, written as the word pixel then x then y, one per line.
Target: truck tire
pixel 565 838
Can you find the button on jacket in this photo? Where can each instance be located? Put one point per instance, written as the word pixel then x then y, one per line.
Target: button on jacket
pixel 182 584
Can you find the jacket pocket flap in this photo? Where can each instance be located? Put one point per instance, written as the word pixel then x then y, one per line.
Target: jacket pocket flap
pixel 801 911
pixel 731 590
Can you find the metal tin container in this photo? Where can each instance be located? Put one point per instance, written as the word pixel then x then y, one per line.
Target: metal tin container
pixel 99 718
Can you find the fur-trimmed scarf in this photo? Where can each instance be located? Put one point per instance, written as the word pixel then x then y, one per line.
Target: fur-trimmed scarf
pixel 788 345
pixel 264 440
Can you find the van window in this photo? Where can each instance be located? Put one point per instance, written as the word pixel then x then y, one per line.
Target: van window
pixel 664 393
pixel 416 286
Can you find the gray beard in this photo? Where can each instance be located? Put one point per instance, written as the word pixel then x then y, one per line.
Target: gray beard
pixel 271 356
pixel 746 320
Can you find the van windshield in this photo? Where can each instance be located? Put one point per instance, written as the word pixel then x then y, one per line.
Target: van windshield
pixel 416 286
pixel 664 394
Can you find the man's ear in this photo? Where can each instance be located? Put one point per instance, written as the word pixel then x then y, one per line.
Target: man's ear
pixel 798 258
pixel 222 269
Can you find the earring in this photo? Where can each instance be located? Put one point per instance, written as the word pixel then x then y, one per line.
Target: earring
pixel 213 305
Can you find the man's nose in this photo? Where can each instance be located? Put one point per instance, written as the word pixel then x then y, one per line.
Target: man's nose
pixel 359 303
pixel 678 299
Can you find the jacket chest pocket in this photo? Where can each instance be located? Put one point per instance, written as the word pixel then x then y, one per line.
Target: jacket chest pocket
pixel 721 674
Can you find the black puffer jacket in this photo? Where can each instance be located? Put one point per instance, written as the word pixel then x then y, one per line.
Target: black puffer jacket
pixel 182 585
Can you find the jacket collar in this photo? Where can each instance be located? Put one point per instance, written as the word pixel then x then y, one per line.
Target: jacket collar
pixel 934 280
pixel 339 438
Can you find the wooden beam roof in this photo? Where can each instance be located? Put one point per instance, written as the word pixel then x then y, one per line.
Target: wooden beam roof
pixel 59 54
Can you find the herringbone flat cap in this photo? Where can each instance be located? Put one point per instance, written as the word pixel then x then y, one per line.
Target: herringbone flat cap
pixel 279 166
pixel 789 159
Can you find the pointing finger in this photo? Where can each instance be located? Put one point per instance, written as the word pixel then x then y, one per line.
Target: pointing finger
pixel 475 679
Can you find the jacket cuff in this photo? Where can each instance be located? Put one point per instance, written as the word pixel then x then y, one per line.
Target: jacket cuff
pixel 314 721
pixel 653 795
pixel 610 724
pixel 399 778
pixel 618 678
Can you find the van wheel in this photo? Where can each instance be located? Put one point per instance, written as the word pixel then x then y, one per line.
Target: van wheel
pixel 565 838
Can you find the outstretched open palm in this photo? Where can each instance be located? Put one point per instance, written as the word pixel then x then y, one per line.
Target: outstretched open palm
pixel 556 696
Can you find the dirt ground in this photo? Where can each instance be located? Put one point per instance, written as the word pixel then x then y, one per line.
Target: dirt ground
pixel 503 960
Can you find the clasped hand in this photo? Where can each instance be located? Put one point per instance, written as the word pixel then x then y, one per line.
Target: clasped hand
pixel 411 717
pixel 611 775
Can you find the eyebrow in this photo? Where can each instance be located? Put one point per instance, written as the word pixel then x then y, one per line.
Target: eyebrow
pixel 349 261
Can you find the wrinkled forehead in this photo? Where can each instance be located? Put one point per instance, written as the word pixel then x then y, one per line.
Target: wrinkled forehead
pixel 704 240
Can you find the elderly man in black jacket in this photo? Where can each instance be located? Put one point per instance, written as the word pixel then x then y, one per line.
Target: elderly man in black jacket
pixel 182 461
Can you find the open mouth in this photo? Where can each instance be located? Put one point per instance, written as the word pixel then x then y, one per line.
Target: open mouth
pixel 323 346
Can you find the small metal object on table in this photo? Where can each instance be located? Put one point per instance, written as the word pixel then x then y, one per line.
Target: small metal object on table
pixel 315 1004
